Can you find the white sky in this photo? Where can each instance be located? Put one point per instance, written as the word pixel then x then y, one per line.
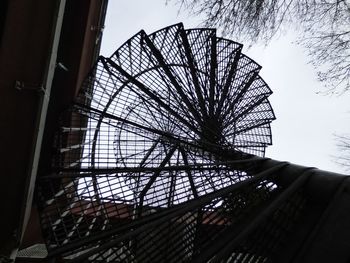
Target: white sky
pixel 306 121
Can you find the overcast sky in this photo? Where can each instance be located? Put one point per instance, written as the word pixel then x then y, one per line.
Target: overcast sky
pixel 306 121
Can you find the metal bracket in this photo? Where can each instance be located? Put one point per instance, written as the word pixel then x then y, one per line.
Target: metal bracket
pixel 20 85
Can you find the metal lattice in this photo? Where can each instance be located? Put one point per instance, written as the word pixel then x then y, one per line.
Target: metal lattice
pixel 155 159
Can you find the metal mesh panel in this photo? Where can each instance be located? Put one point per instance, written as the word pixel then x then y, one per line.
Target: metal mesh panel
pixel 270 237
pixel 203 226
pixel 178 234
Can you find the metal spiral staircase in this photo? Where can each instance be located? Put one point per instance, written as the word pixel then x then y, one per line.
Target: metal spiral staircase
pixel 161 159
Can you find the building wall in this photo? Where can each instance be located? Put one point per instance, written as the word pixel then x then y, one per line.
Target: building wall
pixel 25 47
pixel 27 33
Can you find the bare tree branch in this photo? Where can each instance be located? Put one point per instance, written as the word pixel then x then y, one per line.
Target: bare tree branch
pixel 343 144
pixel 324 28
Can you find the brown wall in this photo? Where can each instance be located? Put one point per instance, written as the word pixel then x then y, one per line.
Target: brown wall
pixel 26 34
pixel 25 45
